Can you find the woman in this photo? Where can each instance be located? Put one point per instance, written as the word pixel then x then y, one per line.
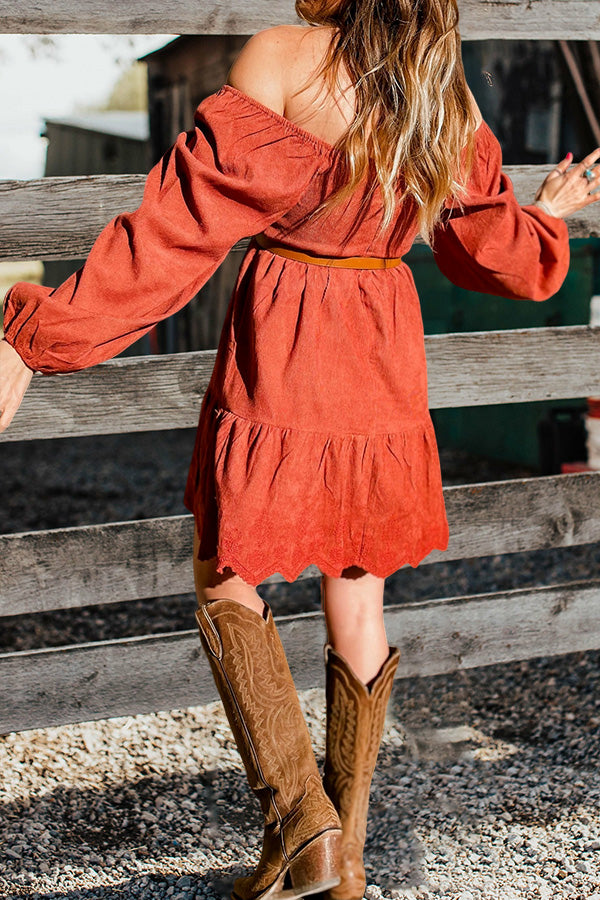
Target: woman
pixel 314 441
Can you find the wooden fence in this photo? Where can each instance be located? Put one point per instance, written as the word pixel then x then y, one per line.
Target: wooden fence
pixel 54 218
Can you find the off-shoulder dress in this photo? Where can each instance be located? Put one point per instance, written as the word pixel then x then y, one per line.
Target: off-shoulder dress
pixel 314 441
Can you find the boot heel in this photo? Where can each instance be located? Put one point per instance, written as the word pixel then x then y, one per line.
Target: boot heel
pixel 315 867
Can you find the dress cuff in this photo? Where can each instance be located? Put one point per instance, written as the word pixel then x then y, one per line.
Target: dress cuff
pixel 11 329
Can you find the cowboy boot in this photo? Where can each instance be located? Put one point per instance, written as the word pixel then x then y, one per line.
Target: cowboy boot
pixel 355 720
pixel 302 831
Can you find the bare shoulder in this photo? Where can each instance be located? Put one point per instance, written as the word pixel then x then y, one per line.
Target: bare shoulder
pixel 260 65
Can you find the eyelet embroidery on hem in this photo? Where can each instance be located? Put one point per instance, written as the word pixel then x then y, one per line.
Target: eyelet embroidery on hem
pixel 227 558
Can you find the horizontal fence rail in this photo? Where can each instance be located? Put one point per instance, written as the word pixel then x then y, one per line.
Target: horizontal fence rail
pixel 479 19
pixel 153 393
pixel 60 217
pixel 169 671
pixel 94 564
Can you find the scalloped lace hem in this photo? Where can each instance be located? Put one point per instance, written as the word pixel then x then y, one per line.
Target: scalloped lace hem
pixel 228 559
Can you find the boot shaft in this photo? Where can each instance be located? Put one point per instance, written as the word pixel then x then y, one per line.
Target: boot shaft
pixel 355 722
pixel 252 674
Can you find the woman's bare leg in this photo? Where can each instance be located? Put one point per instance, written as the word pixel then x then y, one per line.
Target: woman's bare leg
pixel 353 607
pixel 213 585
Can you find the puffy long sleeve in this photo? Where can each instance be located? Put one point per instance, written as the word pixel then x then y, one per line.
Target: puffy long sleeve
pixel 235 172
pixel 494 245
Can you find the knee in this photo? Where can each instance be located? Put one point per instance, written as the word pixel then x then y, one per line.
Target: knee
pixel 213 585
pixel 353 604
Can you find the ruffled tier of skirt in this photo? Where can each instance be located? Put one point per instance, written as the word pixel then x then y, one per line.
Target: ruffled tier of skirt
pixel 268 499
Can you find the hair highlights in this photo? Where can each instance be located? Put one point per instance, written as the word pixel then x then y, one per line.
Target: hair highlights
pixel 404 59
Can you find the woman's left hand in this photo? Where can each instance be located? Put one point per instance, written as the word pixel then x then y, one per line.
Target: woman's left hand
pixel 565 191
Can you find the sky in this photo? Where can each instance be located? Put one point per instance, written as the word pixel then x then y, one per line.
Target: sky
pixel 73 70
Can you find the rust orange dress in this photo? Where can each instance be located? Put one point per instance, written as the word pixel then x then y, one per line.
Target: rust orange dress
pixel 314 441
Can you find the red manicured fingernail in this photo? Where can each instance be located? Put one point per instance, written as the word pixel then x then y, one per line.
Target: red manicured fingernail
pixel 569 153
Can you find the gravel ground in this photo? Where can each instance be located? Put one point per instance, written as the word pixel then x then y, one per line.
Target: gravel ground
pixel 487 786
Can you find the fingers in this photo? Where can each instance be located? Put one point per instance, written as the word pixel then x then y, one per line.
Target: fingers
pixel 592 194
pixel 564 164
pixel 9 406
pixel 586 162
pixel 16 377
pixel 567 190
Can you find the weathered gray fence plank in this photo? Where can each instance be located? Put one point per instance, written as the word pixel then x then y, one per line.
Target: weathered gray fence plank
pixel 568 19
pixel 152 393
pixel 158 392
pixel 60 217
pixel 146 674
pixel 512 366
pixel 94 564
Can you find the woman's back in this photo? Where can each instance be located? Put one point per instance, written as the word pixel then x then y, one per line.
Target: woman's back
pixel 295 53
pixel 325 114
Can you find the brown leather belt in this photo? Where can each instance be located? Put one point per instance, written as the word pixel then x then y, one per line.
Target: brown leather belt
pixel 347 262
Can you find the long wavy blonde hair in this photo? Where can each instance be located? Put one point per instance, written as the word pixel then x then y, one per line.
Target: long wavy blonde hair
pixel 404 59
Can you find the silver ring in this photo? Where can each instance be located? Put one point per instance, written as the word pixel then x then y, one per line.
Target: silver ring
pixel 589 174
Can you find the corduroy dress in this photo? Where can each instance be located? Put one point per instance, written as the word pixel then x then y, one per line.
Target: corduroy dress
pixel 314 442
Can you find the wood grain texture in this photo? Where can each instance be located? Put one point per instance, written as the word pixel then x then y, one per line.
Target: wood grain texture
pixel 479 19
pixel 479 368
pixel 152 393
pixel 145 393
pixel 169 671
pixel 71 567
pixel 60 217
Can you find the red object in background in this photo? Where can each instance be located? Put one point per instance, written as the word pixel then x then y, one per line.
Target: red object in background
pixel 594 407
pixel 578 466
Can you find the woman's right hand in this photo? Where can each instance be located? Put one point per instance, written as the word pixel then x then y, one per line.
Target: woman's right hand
pixel 565 191
pixel 14 381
